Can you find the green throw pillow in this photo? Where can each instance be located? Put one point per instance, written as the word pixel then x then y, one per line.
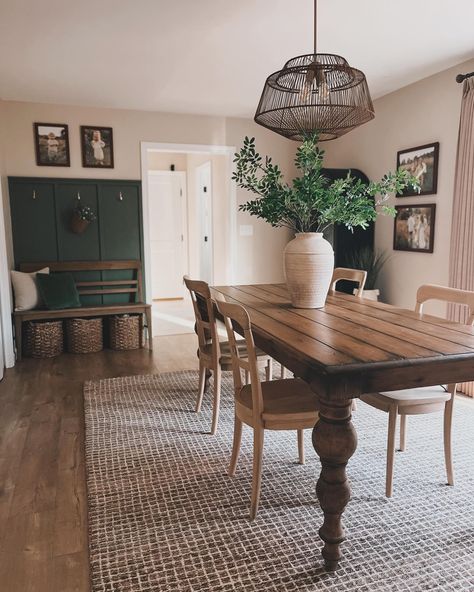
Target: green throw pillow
pixel 58 290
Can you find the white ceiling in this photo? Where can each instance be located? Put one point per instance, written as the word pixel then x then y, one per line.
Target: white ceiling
pixel 212 56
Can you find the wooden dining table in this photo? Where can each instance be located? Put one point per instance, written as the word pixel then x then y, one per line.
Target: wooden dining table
pixel 348 348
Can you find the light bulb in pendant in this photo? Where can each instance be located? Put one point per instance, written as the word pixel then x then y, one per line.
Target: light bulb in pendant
pixel 324 93
pixel 306 91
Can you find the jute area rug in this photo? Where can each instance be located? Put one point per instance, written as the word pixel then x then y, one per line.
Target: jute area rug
pixel 164 515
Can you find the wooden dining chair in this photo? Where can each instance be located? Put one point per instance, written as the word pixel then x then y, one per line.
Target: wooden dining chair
pixel 346 273
pixel 287 404
pixel 214 355
pixel 419 401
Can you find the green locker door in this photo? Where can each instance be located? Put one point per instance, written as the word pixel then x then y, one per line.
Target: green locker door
pixel 120 228
pixel 76 247
pixel 33 221
pixel 120 221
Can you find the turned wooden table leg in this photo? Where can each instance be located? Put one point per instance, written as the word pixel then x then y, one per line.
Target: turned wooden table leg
pixel 335 441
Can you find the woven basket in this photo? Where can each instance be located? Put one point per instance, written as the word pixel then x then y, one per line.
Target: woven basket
pixel 126 331
pixel 44 339
pixel 84 336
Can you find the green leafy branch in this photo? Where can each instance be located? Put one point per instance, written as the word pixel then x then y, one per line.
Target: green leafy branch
pixel 312 202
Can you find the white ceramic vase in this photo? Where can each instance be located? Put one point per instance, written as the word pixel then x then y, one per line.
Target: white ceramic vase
pixel 309 264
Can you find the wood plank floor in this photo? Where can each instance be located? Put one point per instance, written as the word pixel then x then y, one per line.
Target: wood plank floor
pixel 43 510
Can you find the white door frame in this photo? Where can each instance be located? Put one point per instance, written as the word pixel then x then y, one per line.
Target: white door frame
pixel 184 204
pixel 5 294
pixel 229 151
pixel 199 190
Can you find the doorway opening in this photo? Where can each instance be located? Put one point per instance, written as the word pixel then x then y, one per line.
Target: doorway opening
pixel 189 226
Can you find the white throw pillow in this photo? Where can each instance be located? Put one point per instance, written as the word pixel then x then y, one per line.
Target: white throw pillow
pixel 25 289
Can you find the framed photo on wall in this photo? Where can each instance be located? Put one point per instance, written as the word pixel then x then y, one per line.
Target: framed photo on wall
pixel 422 163
pixel 414 228
pixel 52 144
pixel 97 147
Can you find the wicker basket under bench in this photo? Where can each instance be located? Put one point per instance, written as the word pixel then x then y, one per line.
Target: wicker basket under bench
pixel 132 287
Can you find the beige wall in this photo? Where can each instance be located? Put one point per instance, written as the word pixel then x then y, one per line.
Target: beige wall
pixel 259 256
pixel 423 112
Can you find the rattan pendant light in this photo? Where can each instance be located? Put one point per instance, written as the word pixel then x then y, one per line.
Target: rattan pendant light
pixel 315 92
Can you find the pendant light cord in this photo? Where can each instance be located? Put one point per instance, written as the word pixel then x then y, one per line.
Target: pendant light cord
pixel 315 24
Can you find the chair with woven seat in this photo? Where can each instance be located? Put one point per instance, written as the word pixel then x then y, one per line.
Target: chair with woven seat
pixel 214 355
pixel 287 404
pixel 424 400
pixel 346 273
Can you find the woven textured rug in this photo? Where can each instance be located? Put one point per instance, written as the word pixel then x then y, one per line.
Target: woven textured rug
pixel 164 515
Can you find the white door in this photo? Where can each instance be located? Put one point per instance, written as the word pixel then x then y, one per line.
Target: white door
pixel 168 233
pixel 204 180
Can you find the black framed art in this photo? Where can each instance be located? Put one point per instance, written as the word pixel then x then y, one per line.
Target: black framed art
pixel 52 144
pixel 414 228
pixel 97 147
pixel 422 163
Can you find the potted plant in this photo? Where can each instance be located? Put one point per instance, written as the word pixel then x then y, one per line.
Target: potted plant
pixel 82 216
pixel 307 206
pixel 372 261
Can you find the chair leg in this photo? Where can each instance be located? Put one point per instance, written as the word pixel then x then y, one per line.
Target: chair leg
pixel 202 382
pixel 301 446
pixel 217 400
pixel 282 372
pixel 392 426
pixel 258 435
pixel 403 433
pixel 269 370
pixel 235 446
pixel 448 421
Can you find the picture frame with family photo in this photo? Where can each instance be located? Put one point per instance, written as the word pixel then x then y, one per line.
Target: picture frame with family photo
pixel 422 163
pixel 97 147
pixel 52 144
pixel 414 228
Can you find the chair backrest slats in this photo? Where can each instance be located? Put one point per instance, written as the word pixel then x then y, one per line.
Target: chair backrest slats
pixel 237 318
pixel 206 326
pixel 445 294
pixel 353 275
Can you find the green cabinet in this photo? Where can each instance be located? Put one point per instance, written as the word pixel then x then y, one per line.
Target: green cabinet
pixel 41 210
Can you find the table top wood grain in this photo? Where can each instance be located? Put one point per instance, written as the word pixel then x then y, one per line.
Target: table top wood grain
pixel 368 345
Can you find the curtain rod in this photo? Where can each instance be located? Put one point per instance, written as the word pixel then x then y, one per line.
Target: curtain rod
pixel 462 77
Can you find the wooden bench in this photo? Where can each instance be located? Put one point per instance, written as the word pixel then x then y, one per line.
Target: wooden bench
pixel 91 287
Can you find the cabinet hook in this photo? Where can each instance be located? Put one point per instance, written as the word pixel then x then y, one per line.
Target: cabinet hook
pixel 78 196
pixel 120 196
pixel 34 193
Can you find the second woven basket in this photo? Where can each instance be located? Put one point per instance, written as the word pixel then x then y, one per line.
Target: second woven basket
pixel 84 336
